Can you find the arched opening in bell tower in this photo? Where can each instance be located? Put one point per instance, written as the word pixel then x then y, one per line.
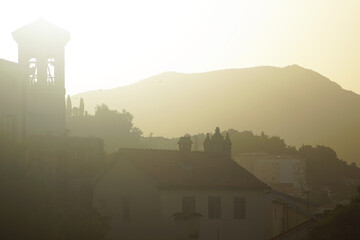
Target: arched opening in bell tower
pixel 33 71
pixel 50 76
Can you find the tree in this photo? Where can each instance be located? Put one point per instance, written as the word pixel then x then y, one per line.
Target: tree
pixel 68 107
pixel 326 170
pixel 81 107
pixel 246 141
pixel 342 223
pixel 116 128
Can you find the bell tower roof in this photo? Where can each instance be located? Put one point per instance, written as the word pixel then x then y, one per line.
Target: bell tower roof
pixel 41 31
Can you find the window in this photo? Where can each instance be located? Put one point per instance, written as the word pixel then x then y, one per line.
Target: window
pixel 188 204
pixel 214 207
pixel 33 71
pixel 50 76
pixel 125 209
pixel 239 208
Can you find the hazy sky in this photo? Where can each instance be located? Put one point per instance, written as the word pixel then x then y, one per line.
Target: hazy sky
pixel 115 43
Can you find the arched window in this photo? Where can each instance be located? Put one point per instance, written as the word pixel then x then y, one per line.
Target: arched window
pixel 33 71
pixel 50 77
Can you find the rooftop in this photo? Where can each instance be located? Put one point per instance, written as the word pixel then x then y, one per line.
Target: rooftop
pixel 42 31
pixel 175 169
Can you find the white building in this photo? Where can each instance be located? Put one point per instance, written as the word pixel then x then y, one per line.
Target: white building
pixel 165 194
pixel 284 173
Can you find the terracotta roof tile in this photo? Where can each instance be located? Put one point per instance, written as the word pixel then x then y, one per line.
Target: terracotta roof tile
pixel 175 169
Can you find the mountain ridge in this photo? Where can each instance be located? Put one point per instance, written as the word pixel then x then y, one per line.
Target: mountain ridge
pixel 292 66
pixel 298 104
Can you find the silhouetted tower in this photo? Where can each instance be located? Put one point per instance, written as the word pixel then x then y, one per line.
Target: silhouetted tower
pixel 185 144
pixel 217 141
pixel 227 145
pixel 41 48
pixel 217 144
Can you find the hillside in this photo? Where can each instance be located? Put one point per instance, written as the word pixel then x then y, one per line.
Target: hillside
pixel 298 104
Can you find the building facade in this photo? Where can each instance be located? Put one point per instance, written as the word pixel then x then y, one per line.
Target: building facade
pixel 11 100
pixel 284 173
pixel 217 144
pixel 36 103
pixel 285 213
pixel 168 194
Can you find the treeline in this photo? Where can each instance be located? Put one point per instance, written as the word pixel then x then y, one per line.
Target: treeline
pixel 342 223
pixel 116 128
pixel 332 179
pixel 242 142
pixel 248 142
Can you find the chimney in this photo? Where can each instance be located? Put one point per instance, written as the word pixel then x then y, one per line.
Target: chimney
pixel 207 143
pixel 185 144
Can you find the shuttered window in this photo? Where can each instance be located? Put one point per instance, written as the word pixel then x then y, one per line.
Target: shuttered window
pixel 239 208
pixel 214 207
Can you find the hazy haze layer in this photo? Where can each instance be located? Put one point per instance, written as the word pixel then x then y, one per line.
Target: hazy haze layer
pixel 297 104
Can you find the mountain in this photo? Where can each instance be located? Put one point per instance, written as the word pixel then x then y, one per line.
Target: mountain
pixel 294 103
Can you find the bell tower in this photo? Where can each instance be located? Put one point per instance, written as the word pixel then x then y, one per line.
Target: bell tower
pixel 41 52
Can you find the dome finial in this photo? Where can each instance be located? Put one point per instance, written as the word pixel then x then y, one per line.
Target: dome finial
pixel 217 130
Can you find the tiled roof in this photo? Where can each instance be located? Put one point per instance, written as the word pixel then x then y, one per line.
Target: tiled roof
pixel 175 169
pixel 288 198
pixel 41 30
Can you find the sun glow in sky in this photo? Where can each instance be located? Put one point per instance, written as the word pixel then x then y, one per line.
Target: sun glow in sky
pixel 116 43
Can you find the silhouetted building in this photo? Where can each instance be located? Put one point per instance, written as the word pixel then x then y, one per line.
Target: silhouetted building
pixel 185 144
pixel 288 217
pixel 217 143
pixel 11 100
pixel 283 173
pixel 32 108
pixel 38 83
pixel 167 194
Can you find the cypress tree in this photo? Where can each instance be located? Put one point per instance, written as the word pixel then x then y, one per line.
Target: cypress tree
pixel 81 107
pixel 68 107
